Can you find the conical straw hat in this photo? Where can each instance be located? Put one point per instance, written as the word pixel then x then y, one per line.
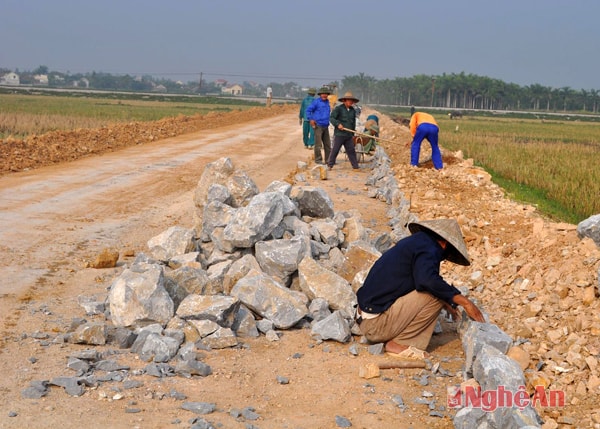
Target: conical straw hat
pixel 349 96
pixel 449 230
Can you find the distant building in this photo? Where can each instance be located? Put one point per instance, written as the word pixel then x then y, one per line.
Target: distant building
pixel 160 88
pixel 81 83
pixel 10 79
pixel 40 79
pixel 232 90
pixel 220 82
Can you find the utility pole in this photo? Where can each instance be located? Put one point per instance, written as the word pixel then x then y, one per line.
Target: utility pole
pixel 432 89
pixel 200 83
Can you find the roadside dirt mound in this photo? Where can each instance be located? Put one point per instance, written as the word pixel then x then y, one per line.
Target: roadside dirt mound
pixel 63 146
pixel 535 278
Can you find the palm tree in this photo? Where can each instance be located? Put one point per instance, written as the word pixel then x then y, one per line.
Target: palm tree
pixel 594 95
pixel 445 85
pixel 547 95
pixel 361 84
pixel 584 95
pixel 401 87
pixel 410 86
pixel 565 92
pixel 535 94
pixel 512 93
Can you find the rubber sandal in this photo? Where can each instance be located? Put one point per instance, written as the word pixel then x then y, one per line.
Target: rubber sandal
pixel 410 353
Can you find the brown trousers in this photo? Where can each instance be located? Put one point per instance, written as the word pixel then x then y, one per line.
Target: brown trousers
pixel 409 321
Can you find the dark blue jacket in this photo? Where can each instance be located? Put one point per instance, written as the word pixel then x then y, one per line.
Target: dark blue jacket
pixel 412 264
pixel 319 111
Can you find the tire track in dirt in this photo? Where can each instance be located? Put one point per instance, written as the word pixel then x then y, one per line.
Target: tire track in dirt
pixel 46 211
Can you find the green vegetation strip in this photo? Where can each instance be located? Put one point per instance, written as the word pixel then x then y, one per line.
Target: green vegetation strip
pixel 536 197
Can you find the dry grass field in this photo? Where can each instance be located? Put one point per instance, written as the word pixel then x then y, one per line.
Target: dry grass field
pixel 24 114
pixel 555 162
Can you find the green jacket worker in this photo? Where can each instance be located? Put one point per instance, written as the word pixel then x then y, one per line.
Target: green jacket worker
pixel 344 117
pixel 308 136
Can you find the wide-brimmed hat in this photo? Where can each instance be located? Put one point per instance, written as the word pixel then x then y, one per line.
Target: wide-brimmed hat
pixel 312 91
pixel 449 230
pixel 349 96
pixel 323 90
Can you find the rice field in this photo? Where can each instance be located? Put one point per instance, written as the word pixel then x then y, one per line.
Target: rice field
pixel 551 163
pixel 26 114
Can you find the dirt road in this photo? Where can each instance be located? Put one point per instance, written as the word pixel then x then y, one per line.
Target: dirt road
pixel 52 214
pixel 55 219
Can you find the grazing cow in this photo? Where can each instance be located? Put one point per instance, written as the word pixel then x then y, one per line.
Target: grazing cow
pixel 401 120
pixel 456 114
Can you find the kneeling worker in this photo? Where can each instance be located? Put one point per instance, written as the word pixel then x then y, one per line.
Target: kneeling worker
pixel 371 129
pixel 403 293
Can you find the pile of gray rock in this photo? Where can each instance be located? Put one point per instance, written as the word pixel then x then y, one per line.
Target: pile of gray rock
pixel 254 262
pixel 590 228
pixel 493 393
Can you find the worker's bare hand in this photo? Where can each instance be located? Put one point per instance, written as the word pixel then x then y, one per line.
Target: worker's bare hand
pixel 313 124
pixel 340 127
pixel 473 312
pixel 470 308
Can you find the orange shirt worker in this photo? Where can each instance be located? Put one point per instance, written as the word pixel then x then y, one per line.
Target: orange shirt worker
pixel 423 126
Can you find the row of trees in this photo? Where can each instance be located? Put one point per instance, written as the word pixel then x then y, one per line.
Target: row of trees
pixel 145 83
pixel 468 91
pixel 451 91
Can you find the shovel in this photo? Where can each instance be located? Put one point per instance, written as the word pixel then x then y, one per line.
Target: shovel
pixel 366 135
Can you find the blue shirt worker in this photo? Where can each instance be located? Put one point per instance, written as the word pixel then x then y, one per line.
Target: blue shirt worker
pixel 308 135
pixel 343 118
pixel 402 296
pixel 318 116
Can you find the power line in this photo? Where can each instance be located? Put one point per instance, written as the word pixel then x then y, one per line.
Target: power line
pixel 227 74
pixel 267 76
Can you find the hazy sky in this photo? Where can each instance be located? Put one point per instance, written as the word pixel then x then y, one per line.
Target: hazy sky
pixel 550 42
